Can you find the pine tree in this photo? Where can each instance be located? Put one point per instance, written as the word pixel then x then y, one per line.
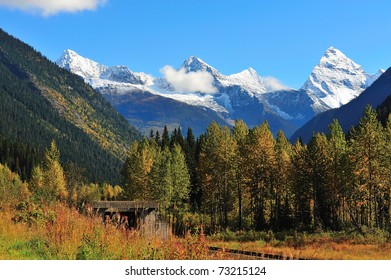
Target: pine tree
pixel 151 134
pixel 158 140
pixel 165 138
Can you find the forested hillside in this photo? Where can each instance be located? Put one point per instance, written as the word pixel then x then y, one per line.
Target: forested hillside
pixel 40 102
pixel 384 110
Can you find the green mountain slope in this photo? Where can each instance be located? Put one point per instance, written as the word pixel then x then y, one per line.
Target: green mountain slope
pixel 40 102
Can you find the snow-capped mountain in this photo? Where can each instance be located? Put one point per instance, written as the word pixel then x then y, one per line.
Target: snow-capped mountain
pixel 349 114
pixel 336 80
pixel 333 82
pixel 81 66
pixel 93 71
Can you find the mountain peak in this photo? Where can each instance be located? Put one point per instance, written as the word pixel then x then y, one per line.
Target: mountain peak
pixel 335 80
pixel 195 64
pixel 252 72
pixel 84 67
pixel 66 57
pixel 334 58
pixel 333 50
pixel 69 52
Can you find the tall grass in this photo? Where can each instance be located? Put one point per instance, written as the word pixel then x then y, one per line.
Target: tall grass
pixel 64 233
pixel 60 232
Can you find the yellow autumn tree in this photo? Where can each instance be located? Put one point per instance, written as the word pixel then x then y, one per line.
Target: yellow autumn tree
pixel 54 183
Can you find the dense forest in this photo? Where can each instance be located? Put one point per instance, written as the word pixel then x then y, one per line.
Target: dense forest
pixel 247 179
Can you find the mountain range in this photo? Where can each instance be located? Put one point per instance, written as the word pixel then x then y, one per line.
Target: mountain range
pixel 149 102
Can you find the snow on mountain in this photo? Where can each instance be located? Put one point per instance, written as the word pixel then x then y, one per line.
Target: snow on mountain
pixel 249 79
pixel 123 74
pixel 84 67
pixel 336 80
pixel 92 71
pixel 195 64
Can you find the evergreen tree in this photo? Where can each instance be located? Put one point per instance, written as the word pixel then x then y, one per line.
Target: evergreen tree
pixel 190 154
pixel 151 134
pixel 165 138
pixel 158 140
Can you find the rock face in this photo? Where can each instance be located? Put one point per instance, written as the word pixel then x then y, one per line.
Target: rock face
pixel 349 114
pixel 335 81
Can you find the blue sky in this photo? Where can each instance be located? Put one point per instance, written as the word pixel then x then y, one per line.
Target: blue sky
pixel 283 39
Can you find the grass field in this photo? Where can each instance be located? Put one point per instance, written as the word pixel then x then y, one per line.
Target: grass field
pixel 69 235
pixel 62 233
pixel 326 246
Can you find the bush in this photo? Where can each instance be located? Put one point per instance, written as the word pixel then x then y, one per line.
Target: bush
pixel 32 214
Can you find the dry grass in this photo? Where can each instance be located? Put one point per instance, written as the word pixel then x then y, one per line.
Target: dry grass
pixel 321 249
pixel 70 235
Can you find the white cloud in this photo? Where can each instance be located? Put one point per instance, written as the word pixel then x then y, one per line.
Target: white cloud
pixel 200 81
pixel 52 7
pixel 272 84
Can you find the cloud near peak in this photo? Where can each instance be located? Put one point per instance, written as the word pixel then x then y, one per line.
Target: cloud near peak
pixel 200 81
pixel 52 7
pixel 273 84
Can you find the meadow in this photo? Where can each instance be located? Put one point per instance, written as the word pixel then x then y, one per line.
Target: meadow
pixel 59 232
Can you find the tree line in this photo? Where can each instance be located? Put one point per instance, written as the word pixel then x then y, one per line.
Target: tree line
pixel 49 183
pixel 237 179
pixel 247 179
